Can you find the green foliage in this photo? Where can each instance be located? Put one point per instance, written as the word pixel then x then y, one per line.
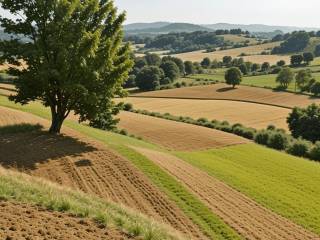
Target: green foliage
pixel 278 141
pixel 206 63
pixel 285 77
pixel 233 76
pixel 170 70
pixel 308 57
pixel 303 78
pixel 149 77
pixel 296 60
pixel 281 63
pixel 189 68
pixel 317 51
pixel 178 62
pixel 265 67
pixel 75 57
pixel 299 148
pixel 315 89
pixel 152 59
pixel 262 137
pixel 305 122
pixel 297 42
pixel 227 60
pixel 315 151
pixel 244 69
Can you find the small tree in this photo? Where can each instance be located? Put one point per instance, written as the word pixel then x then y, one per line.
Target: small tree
pixel 152 59
pixel 285 77
pixel 308 57
pixel 206 63
pixel 265 67
pixel 177 61
pixel 281 63
pixel 303 78
pixel 227 60
pixel 149 77
pixel 233 76
pixel 296 60
pixel 170 70
pixel 255 67
pixel 189 68
pixel 305 122
pixel 76 59
pixel 243 68
pixel 315 89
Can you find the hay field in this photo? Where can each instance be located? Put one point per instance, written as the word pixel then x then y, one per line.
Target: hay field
pixel 175 135
pixel 249 114
pixel 239 39
pixel 253 51
pixel 222 91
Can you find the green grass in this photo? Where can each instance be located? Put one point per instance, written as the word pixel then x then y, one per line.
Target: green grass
pixel 189 204
pixel 213 226
pixel 288 185
pixel 27 189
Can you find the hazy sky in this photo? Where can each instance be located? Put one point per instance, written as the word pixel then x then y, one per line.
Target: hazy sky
pixel 304 13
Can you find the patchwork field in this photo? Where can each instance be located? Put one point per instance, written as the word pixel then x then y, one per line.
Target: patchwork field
pixel 253 52
pixel 239 39
pixel 174 135
pixel 241 93
pixel 249 114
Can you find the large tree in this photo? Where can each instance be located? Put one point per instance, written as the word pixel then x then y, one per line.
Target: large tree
pixel 75 60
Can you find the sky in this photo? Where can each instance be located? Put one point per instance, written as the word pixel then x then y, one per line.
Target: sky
pixel 300 13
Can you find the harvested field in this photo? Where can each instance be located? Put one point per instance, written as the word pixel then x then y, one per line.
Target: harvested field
pixel 74 161
pixel 253 52
pixel 174 135
pixel 22 221
pixel 240 93
pixel 247 217
pixel 249 114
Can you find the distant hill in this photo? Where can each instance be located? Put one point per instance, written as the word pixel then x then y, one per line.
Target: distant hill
pixel 167 28
pixel 258 27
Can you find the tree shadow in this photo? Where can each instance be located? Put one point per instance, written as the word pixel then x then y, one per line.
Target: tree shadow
pixel 24 150
pixel 226 89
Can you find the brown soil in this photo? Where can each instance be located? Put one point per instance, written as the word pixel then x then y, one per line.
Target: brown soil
pixel 176 135
pixel 243 214
pixel 241 93
pixel 21 221
pixel 249 114
pixel 74 161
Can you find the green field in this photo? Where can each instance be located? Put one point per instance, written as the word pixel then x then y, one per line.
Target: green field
pixel 288 185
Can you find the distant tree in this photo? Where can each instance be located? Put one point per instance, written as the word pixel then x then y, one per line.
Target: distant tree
pixel 131 82
pixel 281 63
pixel 227 60
pixel 77 61
pixel 318 34
pixel 296 60
pixel 189 68
pixel 243 68
pixel 170 70
pixel 233 76
pixel 140 63
pixel 265 67
pixel 285 77
pixel 177 61
pixel 152 59
pixel 197 68
pixel 255 67
pixel 308 57
pixel 149 77
pixel 317 51
pixel 303 78
pixel 305 122
pixel 206 63
pixel 297 42
pixel 315 89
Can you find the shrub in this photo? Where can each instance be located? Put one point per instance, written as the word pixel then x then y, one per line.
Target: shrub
pixel 315 152
pixel 123 132
pixel 127 107
pixel 244 132
pixel 299 148
pixel 262 137
pixel 278 141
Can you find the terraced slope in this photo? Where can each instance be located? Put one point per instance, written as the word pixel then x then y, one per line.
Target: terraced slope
pixel 249 114
pixel 251 220
pixel 174 135
pixel 74 161
pixel 241 93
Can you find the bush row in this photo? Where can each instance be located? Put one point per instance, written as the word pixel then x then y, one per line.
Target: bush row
pixel 270 137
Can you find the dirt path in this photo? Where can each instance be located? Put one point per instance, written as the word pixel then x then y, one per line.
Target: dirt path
pixel 21 221
pixel 243 214
pixel 78 162
pixel 176 135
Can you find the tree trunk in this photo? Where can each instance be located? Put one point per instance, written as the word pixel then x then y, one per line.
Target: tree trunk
pixel 56 123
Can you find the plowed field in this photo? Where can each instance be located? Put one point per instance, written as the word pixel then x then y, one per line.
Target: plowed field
pixel 243 214
pixel 175 135
pixel 240 93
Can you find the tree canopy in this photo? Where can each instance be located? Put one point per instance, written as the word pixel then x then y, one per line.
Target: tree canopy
pixel 75 58
pixel 233 76
pixel 285 77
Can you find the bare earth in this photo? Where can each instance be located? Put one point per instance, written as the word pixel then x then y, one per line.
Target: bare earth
pixel 249 114
pixel 248 218
pixel 240 93
pixel 176 135
pixel 253 51
pixel 21 221
pixel 74 161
